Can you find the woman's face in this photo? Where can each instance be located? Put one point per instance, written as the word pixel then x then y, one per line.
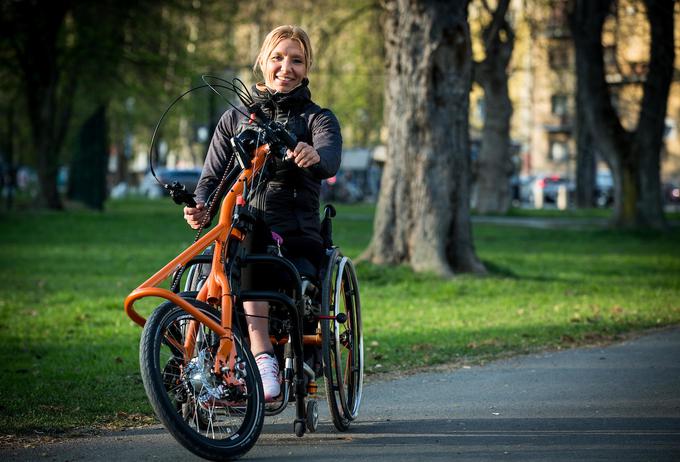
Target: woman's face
pixel 285 67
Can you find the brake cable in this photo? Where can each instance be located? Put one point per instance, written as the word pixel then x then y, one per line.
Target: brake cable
pixel 177 190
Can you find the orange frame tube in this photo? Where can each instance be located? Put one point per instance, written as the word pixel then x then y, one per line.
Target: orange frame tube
pixel 217 290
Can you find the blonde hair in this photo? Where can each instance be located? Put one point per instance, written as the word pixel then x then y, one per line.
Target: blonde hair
pixel 275 37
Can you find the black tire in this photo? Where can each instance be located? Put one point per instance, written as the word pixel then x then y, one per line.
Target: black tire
pixel 198 273
pixel 213 423
pixel 312 415
pixel 342 345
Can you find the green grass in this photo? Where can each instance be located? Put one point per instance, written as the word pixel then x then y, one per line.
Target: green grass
pixel 69 354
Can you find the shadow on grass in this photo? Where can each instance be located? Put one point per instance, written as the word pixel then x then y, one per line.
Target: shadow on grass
pixel 495 269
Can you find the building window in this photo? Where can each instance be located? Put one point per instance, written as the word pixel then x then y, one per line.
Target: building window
pixel 480 108
pixel 558 105
pixel 558 57
pixel 559 151
pixel 609 56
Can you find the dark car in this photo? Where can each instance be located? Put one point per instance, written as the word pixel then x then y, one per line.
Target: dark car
pixel 187 176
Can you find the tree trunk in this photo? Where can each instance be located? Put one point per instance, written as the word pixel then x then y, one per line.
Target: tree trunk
pixel 586 166
pixel 422 216
pixel 9 180
pixel 87 182
pixel 494 160
pixel 651 124
pixel 49 100
pixel 585 152
pixel 633 157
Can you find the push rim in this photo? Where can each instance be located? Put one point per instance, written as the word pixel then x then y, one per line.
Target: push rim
pixel 343 342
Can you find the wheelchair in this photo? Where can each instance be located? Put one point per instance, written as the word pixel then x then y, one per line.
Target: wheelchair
pixel 332 336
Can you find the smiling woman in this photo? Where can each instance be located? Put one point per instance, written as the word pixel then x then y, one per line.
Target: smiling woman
pixel 288 204
pixel 284 59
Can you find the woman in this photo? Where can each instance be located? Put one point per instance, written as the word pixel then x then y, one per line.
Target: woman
pixel 289 204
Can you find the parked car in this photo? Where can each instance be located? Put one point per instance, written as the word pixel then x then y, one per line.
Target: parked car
pixel 341 188
pixel 520 185
pixel 604 189
pixel 187 176
pixel 550 186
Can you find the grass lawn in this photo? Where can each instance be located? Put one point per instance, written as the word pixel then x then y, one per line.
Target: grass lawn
pixel 69 354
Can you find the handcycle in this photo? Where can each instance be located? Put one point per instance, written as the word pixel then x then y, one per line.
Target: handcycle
pixel 198 372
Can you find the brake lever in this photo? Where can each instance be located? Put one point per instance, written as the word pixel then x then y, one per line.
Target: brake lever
pixel 180 195
pixel 273 129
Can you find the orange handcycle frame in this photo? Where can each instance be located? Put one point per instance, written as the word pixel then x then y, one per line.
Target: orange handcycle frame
pixel 217 290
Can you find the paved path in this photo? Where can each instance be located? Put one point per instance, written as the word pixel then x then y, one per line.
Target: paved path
pixel 616 403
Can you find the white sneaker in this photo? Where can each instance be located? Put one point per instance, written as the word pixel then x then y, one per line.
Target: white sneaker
pixel 269 372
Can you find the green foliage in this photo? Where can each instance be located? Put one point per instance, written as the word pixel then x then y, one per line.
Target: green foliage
pixel 70 355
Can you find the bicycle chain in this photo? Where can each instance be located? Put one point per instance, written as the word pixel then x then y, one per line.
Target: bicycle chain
pixel 206 219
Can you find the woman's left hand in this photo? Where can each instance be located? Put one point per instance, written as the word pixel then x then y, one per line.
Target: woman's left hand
pixel 304 155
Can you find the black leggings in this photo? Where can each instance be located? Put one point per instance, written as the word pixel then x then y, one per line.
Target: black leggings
pixel 305 253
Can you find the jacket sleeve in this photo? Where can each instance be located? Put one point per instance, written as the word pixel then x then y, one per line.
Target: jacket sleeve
pixel 217 158
pixel 327 140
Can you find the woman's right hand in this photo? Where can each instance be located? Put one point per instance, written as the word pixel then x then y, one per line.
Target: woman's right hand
pixel 195 215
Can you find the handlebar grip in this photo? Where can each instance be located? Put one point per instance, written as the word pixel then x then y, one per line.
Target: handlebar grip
pixel 180 195
pixel 329 211
pixel 288 139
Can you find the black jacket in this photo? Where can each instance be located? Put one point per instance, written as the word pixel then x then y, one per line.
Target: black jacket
pixel 289 204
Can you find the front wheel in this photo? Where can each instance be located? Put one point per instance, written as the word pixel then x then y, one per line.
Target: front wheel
pixel 217 417
pixel 343 344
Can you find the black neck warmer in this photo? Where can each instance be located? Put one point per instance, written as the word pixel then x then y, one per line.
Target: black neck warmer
pixel 292 102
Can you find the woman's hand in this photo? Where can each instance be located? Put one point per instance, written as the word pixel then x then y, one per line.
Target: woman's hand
pixel 195 215
pixel 304 155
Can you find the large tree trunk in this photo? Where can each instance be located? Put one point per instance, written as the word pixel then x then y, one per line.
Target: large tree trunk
pixel 494 159
pixel 633 157
pixel 651 124
pixel 585 152
pixel 49 99
pixel 609 136
pixel 422 217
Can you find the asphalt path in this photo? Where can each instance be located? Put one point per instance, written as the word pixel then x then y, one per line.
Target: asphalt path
pixel 615 403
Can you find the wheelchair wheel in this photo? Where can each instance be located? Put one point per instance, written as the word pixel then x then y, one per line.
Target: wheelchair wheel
pixel 198 273
pixel 214 418
pixel 342 346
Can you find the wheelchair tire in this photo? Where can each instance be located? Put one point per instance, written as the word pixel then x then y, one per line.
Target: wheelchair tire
pixel 211 418
pixel 342 345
